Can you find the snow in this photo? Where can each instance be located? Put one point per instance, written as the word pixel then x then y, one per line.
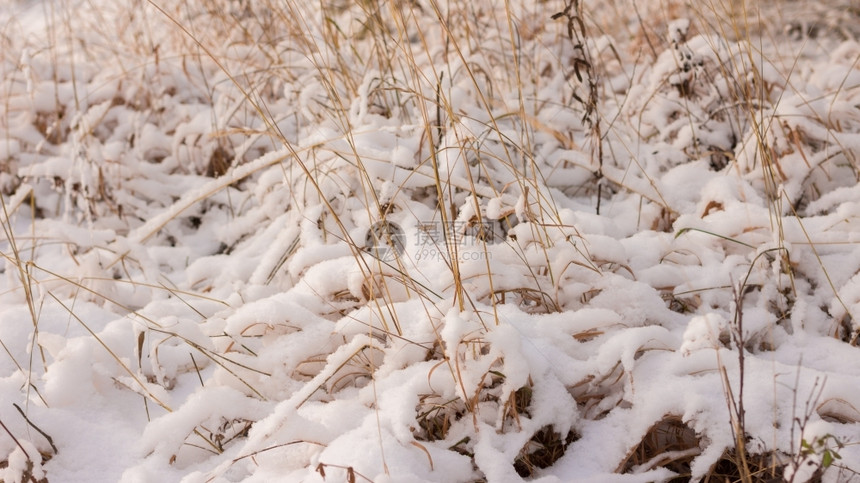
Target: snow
pixel 263 241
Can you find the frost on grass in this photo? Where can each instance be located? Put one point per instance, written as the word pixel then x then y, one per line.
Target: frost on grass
pixel 376 241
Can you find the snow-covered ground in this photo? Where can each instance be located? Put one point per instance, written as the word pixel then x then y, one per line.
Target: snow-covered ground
pixel 443 241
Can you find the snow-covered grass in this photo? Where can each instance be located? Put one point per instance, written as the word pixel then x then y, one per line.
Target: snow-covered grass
pixel 428 240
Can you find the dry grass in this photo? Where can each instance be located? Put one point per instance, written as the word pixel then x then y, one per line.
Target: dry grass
pixel 480 172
